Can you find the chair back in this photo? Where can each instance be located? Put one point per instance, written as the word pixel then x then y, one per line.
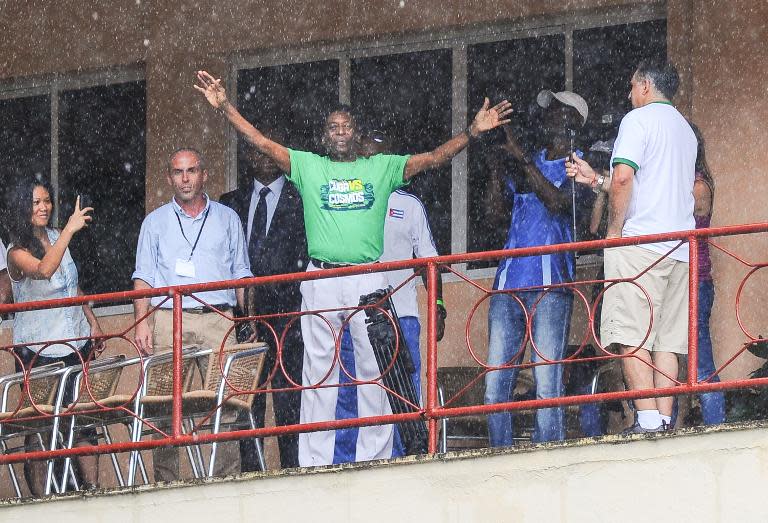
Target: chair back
pixel 453 379
pixel 245 363
pixel 103 378
pixel 42 387
pixel 159 372
pixel 41 392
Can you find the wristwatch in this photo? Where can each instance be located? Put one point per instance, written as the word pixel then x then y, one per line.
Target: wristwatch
pixel 598 186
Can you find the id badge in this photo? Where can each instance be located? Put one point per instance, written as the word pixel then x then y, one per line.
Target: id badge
pixel 185 268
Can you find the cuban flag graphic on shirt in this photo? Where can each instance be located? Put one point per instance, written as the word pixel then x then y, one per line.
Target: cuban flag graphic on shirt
pixel 396 213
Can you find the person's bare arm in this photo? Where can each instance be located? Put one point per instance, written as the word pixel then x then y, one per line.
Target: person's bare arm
pixel 6 293
pixel 487 118
pixel 702 196
pixel 240 297
pixel 619 198
pixel 553 198
pixel 143 333
pixel 24 264
pixel 216 95
pixel 98 344
pixel 496 204
pixel 597 212
pixel 440 316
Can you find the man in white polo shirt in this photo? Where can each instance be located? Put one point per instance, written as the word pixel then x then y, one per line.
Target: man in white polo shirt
pixel 651 192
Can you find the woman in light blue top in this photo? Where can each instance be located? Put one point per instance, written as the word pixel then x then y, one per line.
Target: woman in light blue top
pixel 41 268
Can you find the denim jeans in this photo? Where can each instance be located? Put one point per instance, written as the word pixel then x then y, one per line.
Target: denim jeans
pixel 712 403
pixel 506 332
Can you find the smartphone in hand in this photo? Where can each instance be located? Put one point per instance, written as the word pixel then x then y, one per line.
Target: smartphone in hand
pixel 85 201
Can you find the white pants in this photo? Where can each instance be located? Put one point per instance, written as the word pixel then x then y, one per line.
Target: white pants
pixel 321 359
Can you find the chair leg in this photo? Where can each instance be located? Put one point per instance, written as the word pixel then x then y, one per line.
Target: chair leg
pixel 142 469
pixel 11 471
pixel 190 456
pixel 50 481
pixel 115 464
pixel 257 441
pixel 68 460
pixel 216 426
pixel 443 423
pixel 135 455
pixel 197 449
pixel 69 473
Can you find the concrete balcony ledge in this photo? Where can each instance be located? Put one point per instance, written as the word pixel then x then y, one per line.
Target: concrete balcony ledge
pixel 704 474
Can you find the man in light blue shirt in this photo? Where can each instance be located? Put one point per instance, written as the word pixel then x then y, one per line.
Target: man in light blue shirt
pixel 189 240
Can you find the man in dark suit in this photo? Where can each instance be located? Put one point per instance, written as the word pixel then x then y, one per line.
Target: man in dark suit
pixel 272 215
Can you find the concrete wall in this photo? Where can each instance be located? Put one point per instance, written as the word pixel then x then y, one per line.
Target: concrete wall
pixel 717 45
pixel 703 477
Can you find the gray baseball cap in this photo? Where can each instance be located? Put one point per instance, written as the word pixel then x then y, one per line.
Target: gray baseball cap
pixel 545 97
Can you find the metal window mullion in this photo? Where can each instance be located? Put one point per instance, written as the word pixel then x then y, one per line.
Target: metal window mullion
pixel 459 187
pixel 55 148
pixel 568 32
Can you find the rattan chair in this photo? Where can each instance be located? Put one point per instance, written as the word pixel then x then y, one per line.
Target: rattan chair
pixel 46 391
pixel 242 365
pixel 46 373
pixel 466 431
pixel 98 407
pixel 157 381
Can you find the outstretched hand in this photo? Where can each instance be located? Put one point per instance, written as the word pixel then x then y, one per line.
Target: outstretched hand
pixel 212 88
pixel 488 117
pixel 79 218
pixel 580 171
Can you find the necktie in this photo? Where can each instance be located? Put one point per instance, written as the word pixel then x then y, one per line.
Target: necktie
pixel 259 228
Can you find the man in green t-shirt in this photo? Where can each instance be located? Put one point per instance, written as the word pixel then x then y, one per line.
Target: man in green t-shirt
pixel 345 203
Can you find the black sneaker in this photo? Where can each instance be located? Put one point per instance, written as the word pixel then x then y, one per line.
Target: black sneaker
pixel 637 429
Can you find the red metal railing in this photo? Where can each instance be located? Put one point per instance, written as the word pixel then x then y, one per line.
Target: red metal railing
pixel 431 411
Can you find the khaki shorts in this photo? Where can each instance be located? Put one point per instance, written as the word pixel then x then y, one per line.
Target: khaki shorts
pixel 626 311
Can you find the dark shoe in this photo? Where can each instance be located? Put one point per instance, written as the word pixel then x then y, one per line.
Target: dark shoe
pixel 637 429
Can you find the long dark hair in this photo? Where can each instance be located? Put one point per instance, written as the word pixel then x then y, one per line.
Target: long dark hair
pixel 19 206
pixel 701 159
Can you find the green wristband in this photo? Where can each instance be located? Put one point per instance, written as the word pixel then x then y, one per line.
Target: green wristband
pixel 440 302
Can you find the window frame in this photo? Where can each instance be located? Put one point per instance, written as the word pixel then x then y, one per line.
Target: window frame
pixel 456 40
pixel 52 85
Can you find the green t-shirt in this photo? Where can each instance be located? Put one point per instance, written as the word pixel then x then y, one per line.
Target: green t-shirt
pixel 345 203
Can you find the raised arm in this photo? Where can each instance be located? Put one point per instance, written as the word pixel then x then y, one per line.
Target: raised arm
pixel 553 198
pixel 23 264
pixel 216 95
pixel 486 119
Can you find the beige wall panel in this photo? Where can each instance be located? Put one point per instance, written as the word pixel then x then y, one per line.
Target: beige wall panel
pixel 729 67
pixel 41 37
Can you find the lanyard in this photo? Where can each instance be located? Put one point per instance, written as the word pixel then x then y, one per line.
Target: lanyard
pixel 205 218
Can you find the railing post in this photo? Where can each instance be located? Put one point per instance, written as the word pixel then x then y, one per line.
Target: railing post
pixel 177 373
pixel 432 355
pixel 693 310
